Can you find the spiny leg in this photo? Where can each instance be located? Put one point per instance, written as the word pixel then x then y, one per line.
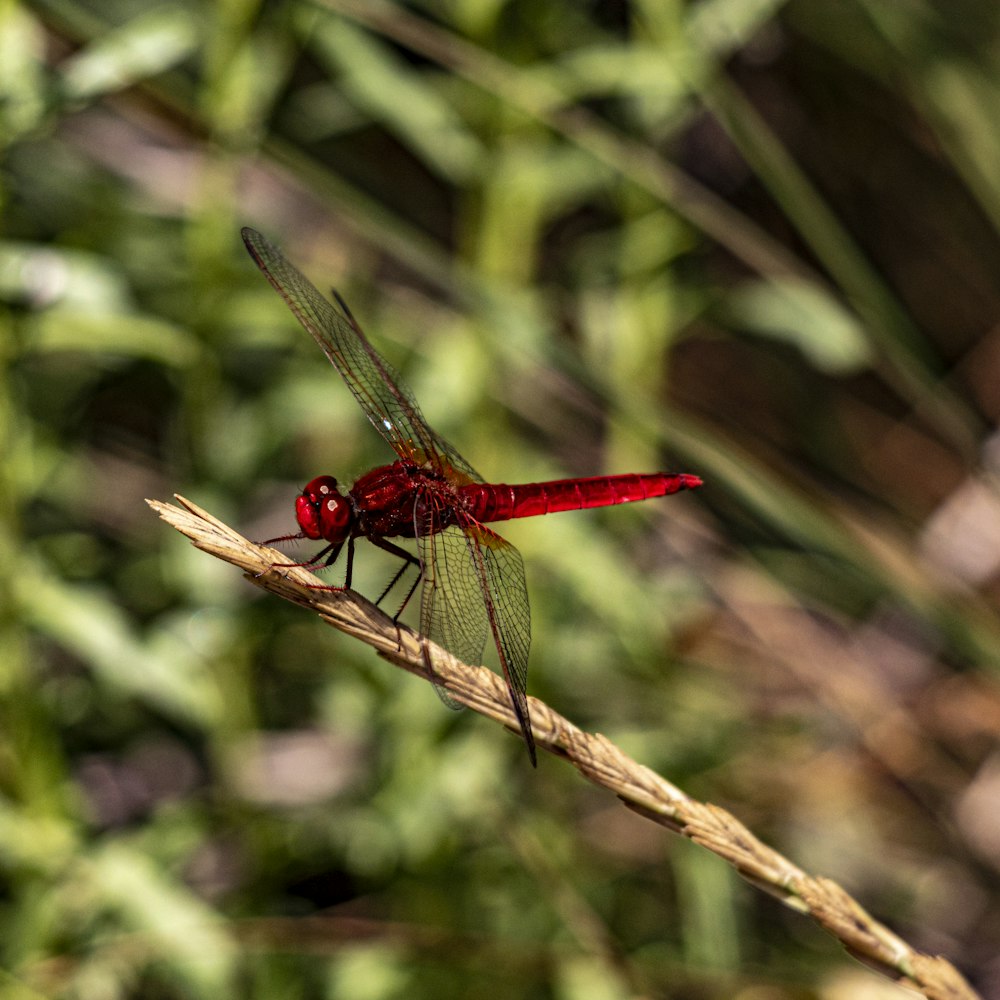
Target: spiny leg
pixel 350 561
pixel 327 556
pixel 334 551
pixel 308 564
pixel 408 560
pixel 298 536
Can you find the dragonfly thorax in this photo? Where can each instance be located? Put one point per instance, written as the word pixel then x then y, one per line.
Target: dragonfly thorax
pixel 323 511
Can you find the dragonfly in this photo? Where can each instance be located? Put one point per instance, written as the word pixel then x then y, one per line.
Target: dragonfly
pixel 473 581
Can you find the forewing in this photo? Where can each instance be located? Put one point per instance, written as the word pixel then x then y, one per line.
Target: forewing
pixel 474 584
pixel 386 399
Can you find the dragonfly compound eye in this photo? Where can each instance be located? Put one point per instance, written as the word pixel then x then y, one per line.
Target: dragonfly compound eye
pixel 322 512
pixel 334 517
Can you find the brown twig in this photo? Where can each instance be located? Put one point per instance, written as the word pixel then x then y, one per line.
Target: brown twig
pixel 596 757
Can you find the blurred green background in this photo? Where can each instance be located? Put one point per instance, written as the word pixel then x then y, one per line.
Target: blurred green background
pixel 748 239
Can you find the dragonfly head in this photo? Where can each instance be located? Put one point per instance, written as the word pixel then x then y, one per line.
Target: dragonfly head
pixel 323 511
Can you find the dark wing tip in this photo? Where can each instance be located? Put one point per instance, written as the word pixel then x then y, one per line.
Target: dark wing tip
pixel 530 741
pixel 520 703
pixel 343 305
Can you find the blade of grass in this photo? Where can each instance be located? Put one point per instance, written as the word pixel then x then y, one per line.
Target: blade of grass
pixel 596 757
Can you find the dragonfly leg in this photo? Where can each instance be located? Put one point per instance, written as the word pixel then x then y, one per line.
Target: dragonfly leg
pixel 326 556
pixel 408 560
pixel 350 561
pixel 282 538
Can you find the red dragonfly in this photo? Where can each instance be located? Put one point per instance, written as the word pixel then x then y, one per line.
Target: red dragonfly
pixel 473 580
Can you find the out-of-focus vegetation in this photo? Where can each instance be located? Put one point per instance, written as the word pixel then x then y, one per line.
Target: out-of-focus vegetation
pixel 753 240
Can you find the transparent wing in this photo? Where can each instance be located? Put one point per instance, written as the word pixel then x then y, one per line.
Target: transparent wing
pixel 452 612
pixel 474 585
pixel 387 401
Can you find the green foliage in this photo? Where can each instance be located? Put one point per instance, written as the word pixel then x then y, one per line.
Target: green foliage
pixel 756 241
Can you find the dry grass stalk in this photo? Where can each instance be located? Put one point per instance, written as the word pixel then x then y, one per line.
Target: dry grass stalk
pixel 593 755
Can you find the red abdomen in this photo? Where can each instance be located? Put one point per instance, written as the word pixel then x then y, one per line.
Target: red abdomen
pixel 500 502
